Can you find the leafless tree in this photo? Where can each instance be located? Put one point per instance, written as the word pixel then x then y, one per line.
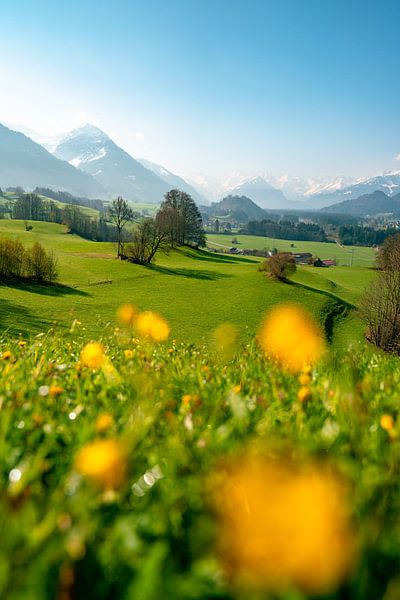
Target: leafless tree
pixel 120 215
pixel 380 303
pixel 279 266
pixel 147 239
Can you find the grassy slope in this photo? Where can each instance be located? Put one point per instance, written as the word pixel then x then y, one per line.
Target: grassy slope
pixel 195 291
pixel 362 257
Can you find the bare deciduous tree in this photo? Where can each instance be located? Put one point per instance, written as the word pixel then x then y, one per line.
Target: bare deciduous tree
pixel 120 214
pixel 380 304
pixel 147 239
pixel 279 266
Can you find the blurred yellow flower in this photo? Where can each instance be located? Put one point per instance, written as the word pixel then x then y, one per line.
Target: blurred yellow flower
pixel 387 422
pixel 104 422
pixel 304 394
pixel 128 354
pixel 55 390
pixel 103 462
pixel 284 526
pixel 304 379
pixel 186 399
pixel 21 343
pixel 152 326
pixel 93 355
pixel 127 314
pixel 6 355
pixel 291 337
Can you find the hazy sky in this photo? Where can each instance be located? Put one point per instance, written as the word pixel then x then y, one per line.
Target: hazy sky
pixel 306 87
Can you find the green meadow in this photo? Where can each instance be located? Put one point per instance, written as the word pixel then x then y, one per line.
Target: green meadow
pixel 194 290
pixel 356 256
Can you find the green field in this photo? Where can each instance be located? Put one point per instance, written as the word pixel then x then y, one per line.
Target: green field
pixel 344 255
pixel 195 291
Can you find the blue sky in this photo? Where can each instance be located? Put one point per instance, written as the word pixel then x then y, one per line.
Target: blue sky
pixel 305 87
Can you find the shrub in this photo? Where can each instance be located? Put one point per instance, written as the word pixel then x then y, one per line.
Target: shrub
pixel 18 263
pixel 279 266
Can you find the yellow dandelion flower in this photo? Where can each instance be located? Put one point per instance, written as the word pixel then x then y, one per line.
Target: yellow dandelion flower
pixel 304 394
pixel 237 388
pixel 290 336
pixel 104 422
pixel 186 399
pixel 387 422
pixel 21 343
pixel 93 355
pixel 55 390
pixel 128 354
pixel 127 314
pixel 103 462
pixel 152 326
pixel 304 379
pixel 6 355
pixel 284 526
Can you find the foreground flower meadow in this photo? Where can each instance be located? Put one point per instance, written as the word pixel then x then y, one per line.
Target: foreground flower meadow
pixel 136 467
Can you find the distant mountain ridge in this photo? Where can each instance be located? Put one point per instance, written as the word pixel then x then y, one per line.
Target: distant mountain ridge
pixel 262 193
pixel 367 205
pixel 239 208
pixel 25 163
pixel 174 181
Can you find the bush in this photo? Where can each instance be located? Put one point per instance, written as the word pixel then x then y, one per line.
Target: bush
pixel 279 266
pixel 18 263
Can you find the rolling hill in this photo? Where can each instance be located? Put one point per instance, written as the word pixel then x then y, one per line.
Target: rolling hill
pixel 238 208
pixel 367 205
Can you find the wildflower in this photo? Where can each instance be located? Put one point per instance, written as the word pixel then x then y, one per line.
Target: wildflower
pixel 103 462
pixel 387 422
pixel 128 354
pixel 284 525
pixel 304 379
pixel 186 399
pixel 289 336
pixel 104 422
pixel 55 390
pixel 152 326
pixel 127 314
pixel 6 355
pixel 237 388
pixel 21 343
pixel 93 356
pixel 304 394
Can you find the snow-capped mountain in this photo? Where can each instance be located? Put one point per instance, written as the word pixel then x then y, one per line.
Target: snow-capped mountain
pixel 389 183
pixel 261 192
pixel 25 163
pixel 91 150
pixel 174 181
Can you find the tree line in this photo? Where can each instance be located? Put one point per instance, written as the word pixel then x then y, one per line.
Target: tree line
pixel 356 235
pixel 286 230
pixel 178 222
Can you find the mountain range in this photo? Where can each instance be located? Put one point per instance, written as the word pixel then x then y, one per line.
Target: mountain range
pixel 25 163
pixel 87 162
pixel 367 205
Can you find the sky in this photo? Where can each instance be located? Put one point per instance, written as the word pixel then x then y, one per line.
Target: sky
pixel 305 87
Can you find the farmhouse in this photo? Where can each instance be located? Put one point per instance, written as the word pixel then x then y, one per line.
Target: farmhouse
pixel 303 258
